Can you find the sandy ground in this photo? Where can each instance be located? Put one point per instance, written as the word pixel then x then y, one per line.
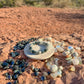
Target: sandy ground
pixel 24 22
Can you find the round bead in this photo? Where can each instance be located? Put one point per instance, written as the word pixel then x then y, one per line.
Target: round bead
pixel 53 68
pixel 75 61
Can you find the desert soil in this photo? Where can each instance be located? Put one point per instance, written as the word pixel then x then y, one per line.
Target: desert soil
pixel 21 23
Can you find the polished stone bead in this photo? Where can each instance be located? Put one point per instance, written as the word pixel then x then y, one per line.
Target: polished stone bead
pixel 36 73
pixel 9 77
pixel 48 73
pixel 43 78
pixel 23 69
pixel 15 76
pixel 4 64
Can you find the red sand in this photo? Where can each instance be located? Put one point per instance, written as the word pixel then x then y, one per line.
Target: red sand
pixel 24 22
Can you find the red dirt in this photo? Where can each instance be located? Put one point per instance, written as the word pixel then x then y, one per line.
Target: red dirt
pixel 24 22
pixel 31 21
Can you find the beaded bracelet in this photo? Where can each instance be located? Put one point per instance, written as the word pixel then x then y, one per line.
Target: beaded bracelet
pixel 38 43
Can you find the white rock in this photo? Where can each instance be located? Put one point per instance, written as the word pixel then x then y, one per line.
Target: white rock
pixel 59 73
pixel 78 48
pixel 53 75
pixel 45 74
pixel 32 67
pixel 48 65
pixel 40 39
pixel 60 49
pixel 61 67
pixel 48 39
pixel 53 68
pixel 75 61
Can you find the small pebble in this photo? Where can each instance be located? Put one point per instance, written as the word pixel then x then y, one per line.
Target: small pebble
pixel 15 76
pixel 48 73
pixel 72 68
pixel 45 74
pixel 48 65
pixel 14 54
pixel 23 69
pixel 56 61
pixel 60 49
pixel 53 75
pixel 75 61
pixel 59 73
pixel 36 70
pixel 61 67
pixel 36 73
pixel 53 68
pixel 5 64
pixel 32 67
pixel 9 77
pixel 70 47
pixel 78 48
pixel 43 78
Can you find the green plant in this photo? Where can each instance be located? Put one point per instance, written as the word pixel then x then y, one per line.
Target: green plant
pixel 48 2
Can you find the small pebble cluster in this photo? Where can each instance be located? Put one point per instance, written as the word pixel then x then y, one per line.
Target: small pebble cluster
pixel 54 70
pixel 17 66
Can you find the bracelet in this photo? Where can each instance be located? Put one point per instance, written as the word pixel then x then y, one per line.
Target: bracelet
pixel 38 43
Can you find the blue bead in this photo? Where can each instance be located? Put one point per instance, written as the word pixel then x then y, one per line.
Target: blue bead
pixel 12 54
pixel 70 47
pixel 16 53
pixel 4 64
pixel 15 76
pixel 12 62
pixel 36 73
pixel 48 73
pixel 11 67
pixel 36 69
pixel 9 83
pixel 9 77
pixel 15 48
pixel 42 78
pixel 23 69
pixel 58 46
